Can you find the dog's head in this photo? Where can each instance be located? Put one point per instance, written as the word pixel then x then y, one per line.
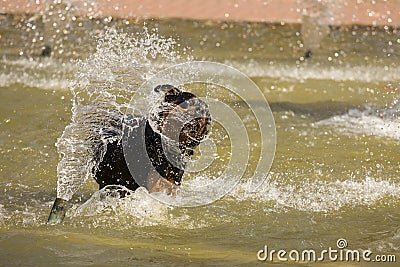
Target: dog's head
pixel 182 117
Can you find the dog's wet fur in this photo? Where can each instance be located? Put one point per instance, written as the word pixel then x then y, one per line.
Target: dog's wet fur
pixel 148 164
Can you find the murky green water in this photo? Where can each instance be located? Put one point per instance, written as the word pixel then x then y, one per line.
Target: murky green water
pixel 335 173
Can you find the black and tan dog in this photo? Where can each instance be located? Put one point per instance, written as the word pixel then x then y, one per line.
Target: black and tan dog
pixel 154 151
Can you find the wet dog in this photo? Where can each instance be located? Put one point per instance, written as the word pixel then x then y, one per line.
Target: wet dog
pixel 153 150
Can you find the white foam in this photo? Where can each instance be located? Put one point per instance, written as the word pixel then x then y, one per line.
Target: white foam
pixel 343 72
pixel 27 80
pixel 380 123
pixel 47 74
pixel 319 196
pixel 40 64
pixel 279 194
pixel 139 208
pixel 2 213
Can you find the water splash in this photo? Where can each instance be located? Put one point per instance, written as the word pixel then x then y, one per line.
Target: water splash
pixel 280 194
pixel 316 17
pixel 344 72
pixel 60 19
pixel 324 196
pixel 134 209
pixel 57 19
pixel 371 122
pixel 103 86
pixel 48 74
pixel 106 208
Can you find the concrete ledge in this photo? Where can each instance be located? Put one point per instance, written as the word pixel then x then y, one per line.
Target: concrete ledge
pixel 341 12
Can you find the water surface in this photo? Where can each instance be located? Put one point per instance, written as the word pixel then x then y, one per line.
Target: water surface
pixel 335 173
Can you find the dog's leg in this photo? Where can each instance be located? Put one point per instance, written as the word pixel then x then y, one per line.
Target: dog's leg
pixel 57 212
pixel 156 183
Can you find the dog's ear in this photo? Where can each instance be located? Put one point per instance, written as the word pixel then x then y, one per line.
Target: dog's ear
pixel 164 88
pixel 170 91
